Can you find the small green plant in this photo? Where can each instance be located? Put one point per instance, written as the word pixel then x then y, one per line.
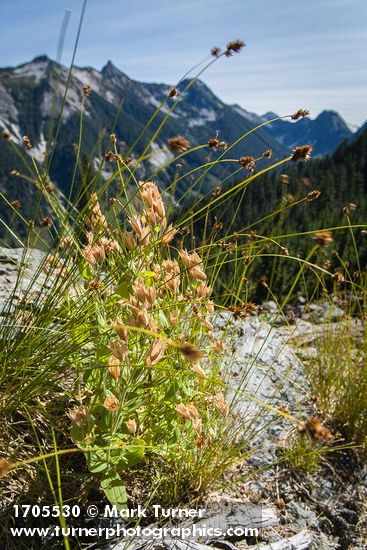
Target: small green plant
pixel 150 382
pixel 339 378
pixel 303 454
pixel 307 444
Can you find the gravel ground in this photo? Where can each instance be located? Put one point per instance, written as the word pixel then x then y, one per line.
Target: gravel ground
pixel 330 503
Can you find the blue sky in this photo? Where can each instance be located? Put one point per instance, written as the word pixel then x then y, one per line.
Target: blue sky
pixel 310 54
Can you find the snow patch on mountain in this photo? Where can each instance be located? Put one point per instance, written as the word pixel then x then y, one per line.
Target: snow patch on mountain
pixel 160 157
pixel 353 127
pixel 94 79
pixel 251 117
pixel 39 149
pixel 269 115
pixel 13 129
pixel 105 170
pixel 110 96
pixel 203 117
pixel 151 100
pixel 157 103
pixel 91 77
pixel 72 104
pixel 282 139
pixel 36 70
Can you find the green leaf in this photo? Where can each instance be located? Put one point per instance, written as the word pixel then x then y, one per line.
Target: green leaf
pixel 92 377
pixel 124 287
pixel 101 321
pixel 97 461
pixel 149 276
pixel 171 391
pixel 84 270
pixel 79 334
pixel 176 435
pixel 212 432
pixel 114 489
pixel 130 455
pixel 78 433
pixel 135 453
pixel 190 392
pixel 102 353
pixel 149 437
pixel 163 321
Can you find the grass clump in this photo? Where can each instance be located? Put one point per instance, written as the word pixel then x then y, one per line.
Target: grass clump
pixel 338 375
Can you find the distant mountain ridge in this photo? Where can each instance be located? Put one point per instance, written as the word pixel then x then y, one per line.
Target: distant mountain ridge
pixel 28 92
pixel 31 96
pixel 25 104
pixel 325 133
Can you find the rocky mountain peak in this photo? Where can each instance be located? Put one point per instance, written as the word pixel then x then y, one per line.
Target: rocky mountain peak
pixel 110 70
pixel 269 115
pixel 333 118
pixel 41 59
